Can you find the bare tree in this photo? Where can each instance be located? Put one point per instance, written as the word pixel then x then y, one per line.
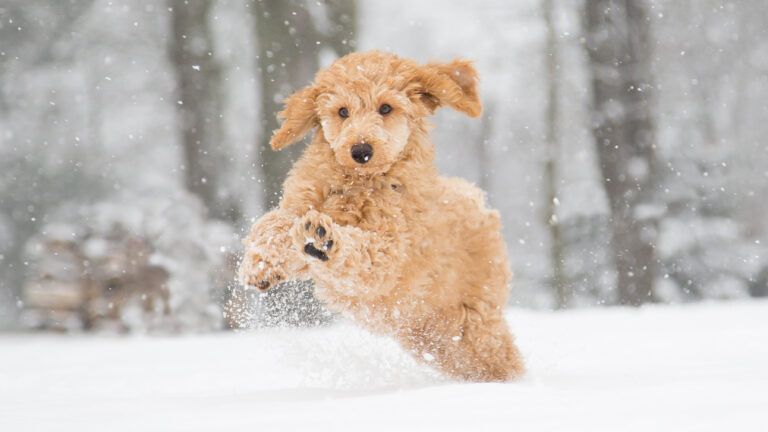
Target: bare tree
pixel 556 246
pixel 342 23
pixel 289 44
pixel 199 107
pixel 618 36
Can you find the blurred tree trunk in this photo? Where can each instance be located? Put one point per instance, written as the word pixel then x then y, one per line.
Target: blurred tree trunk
pixel 199 106
pixel 556 246
pixel 618 36
pixel 289 45
pixel 287 60
pixel 342 17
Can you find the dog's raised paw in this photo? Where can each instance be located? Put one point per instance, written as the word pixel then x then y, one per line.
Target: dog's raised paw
pixel 314 235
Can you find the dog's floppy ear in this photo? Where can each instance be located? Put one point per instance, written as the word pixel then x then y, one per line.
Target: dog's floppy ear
pixel 299 118
pixel 453 84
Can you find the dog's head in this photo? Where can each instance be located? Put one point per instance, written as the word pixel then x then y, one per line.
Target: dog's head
pixel 367 105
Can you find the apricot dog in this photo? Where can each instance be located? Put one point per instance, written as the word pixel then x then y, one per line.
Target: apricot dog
pixel 364 213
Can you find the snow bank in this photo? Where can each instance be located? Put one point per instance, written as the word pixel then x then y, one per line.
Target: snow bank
pixel 679 368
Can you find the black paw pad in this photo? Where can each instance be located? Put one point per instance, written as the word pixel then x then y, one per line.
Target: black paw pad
pixel 312 251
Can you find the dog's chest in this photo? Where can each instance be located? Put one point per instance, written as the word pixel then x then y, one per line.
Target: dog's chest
pixel 365 204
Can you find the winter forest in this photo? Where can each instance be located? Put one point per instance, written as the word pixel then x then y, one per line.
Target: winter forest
pixel 622 141
pixel 624 149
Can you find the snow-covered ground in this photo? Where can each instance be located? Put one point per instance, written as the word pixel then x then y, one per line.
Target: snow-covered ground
pixel 700 368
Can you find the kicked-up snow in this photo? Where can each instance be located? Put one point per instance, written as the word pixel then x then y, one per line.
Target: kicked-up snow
pixel 659 368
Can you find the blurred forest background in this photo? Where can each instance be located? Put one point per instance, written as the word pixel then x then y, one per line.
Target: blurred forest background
pixel 624 142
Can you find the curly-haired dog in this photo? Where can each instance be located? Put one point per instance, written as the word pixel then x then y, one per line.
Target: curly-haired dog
pixel 365 214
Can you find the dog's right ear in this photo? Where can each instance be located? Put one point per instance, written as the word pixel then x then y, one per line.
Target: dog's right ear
pixel 299 117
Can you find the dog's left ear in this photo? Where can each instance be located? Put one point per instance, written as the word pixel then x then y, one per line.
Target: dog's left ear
pixel 299 117
pixel 453 84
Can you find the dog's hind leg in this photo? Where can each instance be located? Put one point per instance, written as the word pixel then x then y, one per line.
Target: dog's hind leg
pixel 464 343
pixel 486 350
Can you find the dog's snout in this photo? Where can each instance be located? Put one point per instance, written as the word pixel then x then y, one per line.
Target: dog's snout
pixel 362 153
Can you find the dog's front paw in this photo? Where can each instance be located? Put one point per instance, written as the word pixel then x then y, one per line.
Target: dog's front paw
pixel 257 272
pixel 313 235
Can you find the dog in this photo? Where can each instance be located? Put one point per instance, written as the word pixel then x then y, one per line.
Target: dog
pixel 364 213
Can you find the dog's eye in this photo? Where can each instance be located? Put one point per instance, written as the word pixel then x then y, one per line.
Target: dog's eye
pixel 385 109
pixel 343 112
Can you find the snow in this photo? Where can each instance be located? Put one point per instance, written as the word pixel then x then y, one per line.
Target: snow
pixel 678 368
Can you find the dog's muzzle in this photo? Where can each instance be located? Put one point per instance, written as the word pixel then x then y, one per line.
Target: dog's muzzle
pixel 362 153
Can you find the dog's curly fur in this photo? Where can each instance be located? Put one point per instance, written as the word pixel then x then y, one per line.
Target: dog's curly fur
pixel 388 241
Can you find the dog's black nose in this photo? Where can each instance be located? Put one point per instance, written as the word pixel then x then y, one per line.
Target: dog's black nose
pixel 362 153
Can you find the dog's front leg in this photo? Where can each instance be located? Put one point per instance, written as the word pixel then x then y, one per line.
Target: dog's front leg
pixel 345 261
pixel 269 255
